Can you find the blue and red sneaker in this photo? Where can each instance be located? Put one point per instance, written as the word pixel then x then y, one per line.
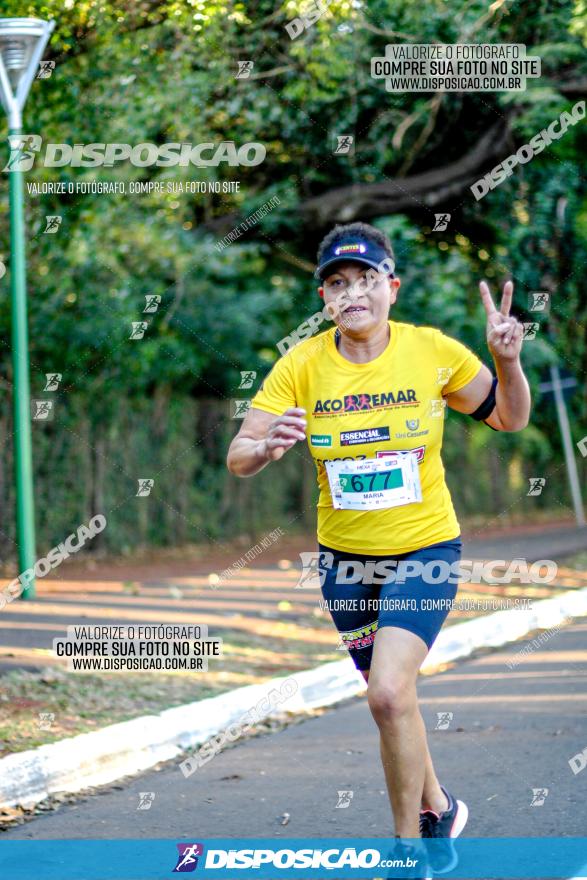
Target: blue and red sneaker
pixel 447 824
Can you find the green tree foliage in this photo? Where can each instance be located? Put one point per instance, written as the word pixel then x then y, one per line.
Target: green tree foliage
pixel 158 72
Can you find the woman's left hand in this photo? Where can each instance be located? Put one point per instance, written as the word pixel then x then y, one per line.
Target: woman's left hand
pixel 504 332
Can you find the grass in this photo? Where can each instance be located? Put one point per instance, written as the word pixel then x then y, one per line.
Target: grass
pixel 81 703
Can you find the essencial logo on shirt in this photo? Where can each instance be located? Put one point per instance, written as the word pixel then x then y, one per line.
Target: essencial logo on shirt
pixel 360 402
pixel 369 435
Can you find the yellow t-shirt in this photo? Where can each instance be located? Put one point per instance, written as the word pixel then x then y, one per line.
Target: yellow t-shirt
pixel 355 411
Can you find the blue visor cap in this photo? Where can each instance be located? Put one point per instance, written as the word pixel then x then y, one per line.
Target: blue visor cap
pixel 356 251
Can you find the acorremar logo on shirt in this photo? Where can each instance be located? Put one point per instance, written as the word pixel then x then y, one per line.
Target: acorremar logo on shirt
pixel 360 402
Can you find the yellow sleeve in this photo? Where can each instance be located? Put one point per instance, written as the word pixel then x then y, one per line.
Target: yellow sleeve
pixel 277 391
pixel 460 363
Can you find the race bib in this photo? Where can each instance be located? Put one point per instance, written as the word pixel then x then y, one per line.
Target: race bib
pixel 374 483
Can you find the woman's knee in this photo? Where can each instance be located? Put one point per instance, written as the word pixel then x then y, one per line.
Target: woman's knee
pixel 391 700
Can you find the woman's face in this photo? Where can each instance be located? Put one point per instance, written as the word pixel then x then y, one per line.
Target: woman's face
pixel 361 295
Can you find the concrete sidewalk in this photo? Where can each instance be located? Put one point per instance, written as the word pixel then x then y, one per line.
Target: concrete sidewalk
pixel 517 721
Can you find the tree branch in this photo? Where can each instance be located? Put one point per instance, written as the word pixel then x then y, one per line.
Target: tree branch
pixel 428 189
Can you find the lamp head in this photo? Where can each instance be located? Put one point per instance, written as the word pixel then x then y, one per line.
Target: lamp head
pixel 22 42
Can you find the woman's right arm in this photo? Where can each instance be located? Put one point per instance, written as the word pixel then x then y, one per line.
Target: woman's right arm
pixel 264 437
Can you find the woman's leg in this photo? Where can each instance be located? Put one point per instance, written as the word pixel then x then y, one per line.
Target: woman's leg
pixel 433 798
pixel 402 642
pixel 397 657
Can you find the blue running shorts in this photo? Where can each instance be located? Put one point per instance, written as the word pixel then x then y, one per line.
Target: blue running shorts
pixel 413 591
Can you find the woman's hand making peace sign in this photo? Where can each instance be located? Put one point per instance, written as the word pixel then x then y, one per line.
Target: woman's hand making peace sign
pixel 504 332
pixel 512 394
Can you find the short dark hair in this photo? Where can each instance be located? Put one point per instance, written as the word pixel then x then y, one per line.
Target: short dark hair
pixel 360 229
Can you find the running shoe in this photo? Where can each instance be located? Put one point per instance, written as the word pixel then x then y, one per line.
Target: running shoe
pixel 419 869
pixel 448 824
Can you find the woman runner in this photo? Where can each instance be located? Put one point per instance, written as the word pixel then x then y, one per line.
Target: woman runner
pixel 368 396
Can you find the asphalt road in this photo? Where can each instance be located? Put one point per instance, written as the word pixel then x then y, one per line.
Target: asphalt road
pixel 530 544
pixel 513 729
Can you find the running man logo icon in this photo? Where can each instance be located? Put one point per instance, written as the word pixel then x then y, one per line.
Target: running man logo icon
pixel 152 301
pixel 187 859
pixel 46 719
pixel 247 378
pixel 444 719
pixel 443 374
pixel 42 410
pixel 22 151
pixel 146 799
pixel 46 68
pixel 244 69
pixel 313 572
pixel 344 800
pixel 345 145
pixel 530 330
pixel 53 380
pixel 53 222
pixel 437 407
pixel 138 329
pixel 538 301
pixel 537 484
pixel 441 222
pixel 145 487
pixel 539 795
pixel 241 408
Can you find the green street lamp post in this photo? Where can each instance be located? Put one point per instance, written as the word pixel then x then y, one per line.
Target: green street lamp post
pixel 22 43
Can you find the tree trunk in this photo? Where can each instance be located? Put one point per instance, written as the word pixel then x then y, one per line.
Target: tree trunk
pixel 98 459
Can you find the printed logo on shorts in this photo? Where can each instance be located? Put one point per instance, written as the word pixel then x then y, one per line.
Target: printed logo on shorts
pixel 360 638
pixel 321 439
pixel 369 435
